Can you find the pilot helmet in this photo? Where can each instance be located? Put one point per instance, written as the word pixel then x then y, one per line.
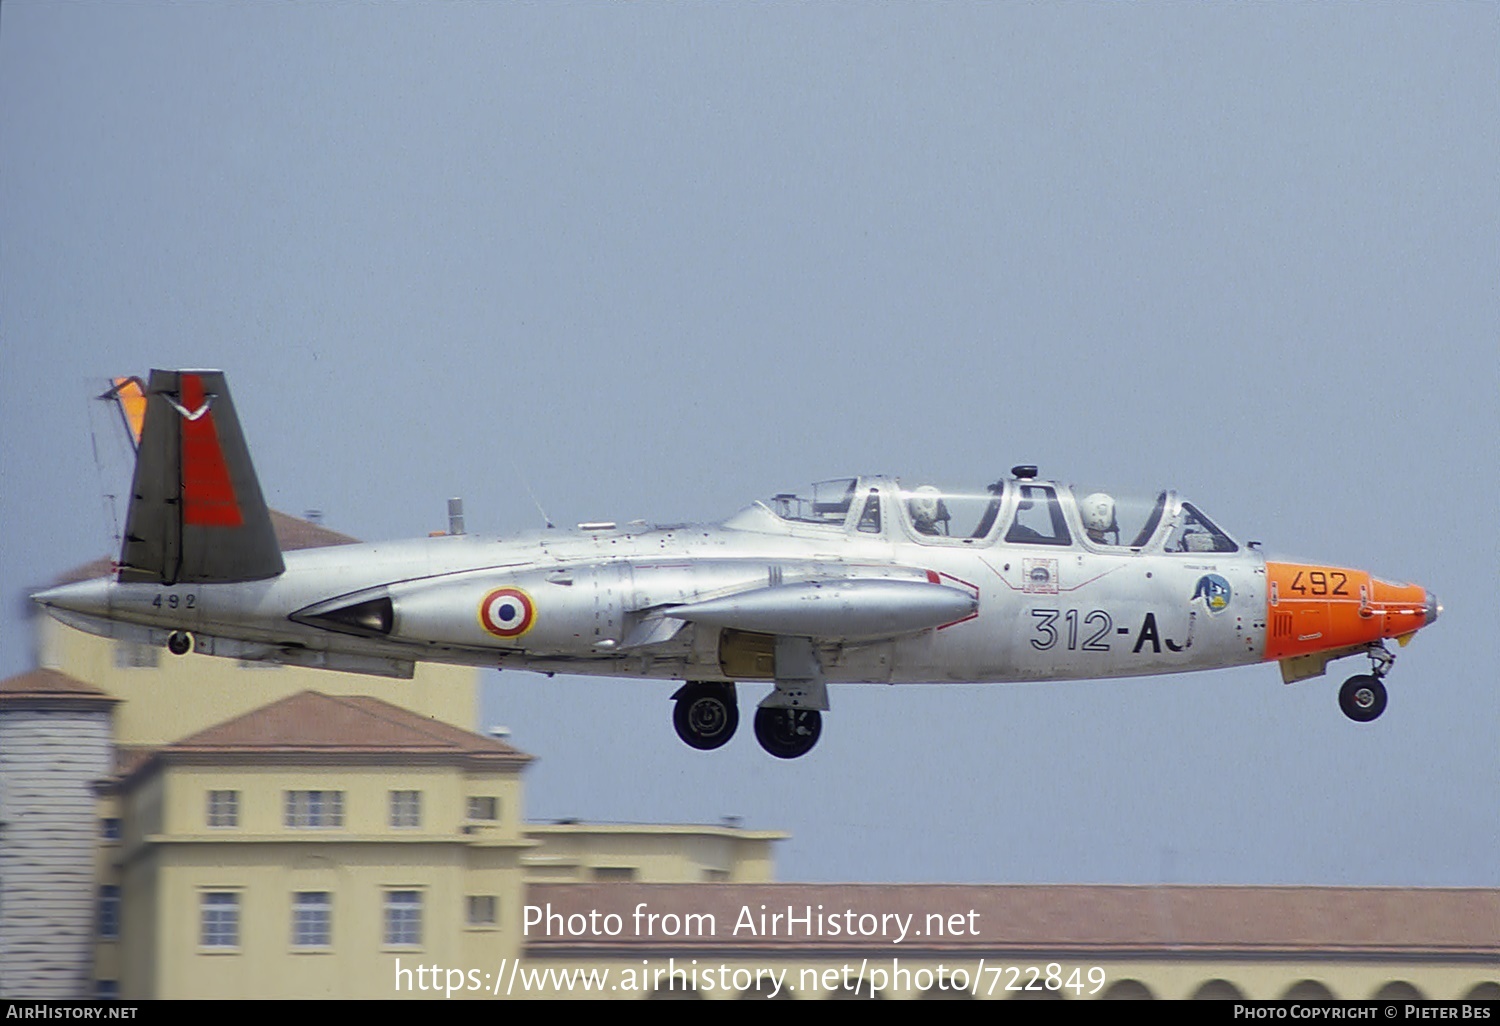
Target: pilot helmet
pixel 1098 512
pixel 924 503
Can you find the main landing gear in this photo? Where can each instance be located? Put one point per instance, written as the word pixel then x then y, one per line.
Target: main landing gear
pixel 788 733
pixel 179 642
pixel 707 713
pixel 1363 697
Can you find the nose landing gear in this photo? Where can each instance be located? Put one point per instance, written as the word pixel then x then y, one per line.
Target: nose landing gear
pixel 1363 696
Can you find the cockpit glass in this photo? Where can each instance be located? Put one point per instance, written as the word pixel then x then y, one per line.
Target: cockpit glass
pixel 1194 532
pixel 1039 518
pixel 955 514
pixel 1110 519
pixel 829 503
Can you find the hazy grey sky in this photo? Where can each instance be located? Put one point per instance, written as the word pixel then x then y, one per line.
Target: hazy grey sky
pixel 659 260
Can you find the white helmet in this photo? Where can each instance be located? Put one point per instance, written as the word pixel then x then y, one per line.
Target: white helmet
pixel 1098 512
pixel 924 504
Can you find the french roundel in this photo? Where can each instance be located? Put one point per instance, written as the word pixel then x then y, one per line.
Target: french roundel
pixel 507 612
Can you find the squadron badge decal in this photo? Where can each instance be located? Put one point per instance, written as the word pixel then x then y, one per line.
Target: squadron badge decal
pixel 1214 591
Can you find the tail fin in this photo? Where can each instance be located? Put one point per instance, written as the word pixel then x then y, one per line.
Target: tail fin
pixel 196 510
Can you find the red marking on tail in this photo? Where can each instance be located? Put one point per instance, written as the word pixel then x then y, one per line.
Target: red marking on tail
pixel 208 498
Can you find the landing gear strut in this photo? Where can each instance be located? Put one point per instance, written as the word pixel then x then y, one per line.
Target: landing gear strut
pixel 706 714
pixel 787 733
pixel 1363 697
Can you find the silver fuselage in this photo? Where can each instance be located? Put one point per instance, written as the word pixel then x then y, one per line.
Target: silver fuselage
pixel 601 602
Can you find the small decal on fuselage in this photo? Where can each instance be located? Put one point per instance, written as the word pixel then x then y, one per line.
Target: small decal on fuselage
pixel 1039 576
pixel 1214 591
pixel 507 613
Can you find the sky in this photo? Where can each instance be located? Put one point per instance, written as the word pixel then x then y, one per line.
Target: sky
pixel 658 260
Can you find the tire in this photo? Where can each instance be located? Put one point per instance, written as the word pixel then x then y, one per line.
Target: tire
pixel 788 733
pixel 1362 698
pixel 706 715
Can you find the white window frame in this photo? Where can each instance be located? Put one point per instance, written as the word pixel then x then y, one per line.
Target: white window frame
pixel 401 918
pixel 109 912
pixel 223 809
pixel 406 810
pixel 484 808
pixel 482 910
pixel 219 920
pixel 312 919
pixel 314 810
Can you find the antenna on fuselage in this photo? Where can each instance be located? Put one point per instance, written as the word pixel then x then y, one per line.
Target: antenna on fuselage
pixel 534 500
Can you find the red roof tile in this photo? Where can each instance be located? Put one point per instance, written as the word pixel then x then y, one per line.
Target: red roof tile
pixel 51 686
pixel 327 728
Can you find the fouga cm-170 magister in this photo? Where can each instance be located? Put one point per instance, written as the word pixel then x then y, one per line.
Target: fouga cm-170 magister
pixel 857 580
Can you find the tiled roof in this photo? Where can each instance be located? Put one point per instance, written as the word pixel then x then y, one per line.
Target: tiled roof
pixel 129 758
pixel 292 533
pixel 326 729
pixel 1059 920
pixel 51 687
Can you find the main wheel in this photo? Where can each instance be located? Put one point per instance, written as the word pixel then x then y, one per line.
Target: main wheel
pixel 706 714
pixel 1362 698
pixel 179 643
pixel 788 733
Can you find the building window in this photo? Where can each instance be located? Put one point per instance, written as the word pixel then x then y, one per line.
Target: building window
pixel 403 918
pixel 614 874
pixel 109 829
pixel 107 990
pixel 220 920
pixel 109 912
pixel 406 808
pixel 312 919
pixel 223 808
pixel 483 909
pixel 317 810
pixel 484 808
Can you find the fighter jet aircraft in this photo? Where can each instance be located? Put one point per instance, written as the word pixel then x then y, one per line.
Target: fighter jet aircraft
pixel 856 580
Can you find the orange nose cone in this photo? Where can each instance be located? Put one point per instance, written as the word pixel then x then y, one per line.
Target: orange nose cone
pixel 1403 607
pixel 1312 608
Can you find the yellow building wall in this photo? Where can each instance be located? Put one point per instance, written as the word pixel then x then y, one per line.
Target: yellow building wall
pixel 181 695
pixel 265 863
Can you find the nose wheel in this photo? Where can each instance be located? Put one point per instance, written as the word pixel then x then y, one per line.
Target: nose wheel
pixel 706 714
pixel 1362 698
